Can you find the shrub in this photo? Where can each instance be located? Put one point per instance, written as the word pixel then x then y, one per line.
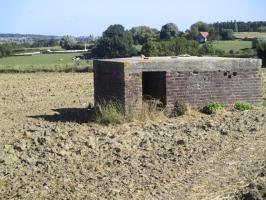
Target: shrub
pixel 231 51
pixel 180 108
pixel 212 107
pixel 5 50
pixel 109 112
pixel 242 106
pixel 206 49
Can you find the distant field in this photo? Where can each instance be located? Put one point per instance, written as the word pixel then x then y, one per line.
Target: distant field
pixel 43 62
pixel 250 35
pixel 235 45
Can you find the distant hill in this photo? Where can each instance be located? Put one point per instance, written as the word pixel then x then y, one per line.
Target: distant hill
pixel 30 36
pixel 25 38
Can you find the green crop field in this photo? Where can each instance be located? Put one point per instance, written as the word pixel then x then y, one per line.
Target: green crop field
pixel 27 50
pixel 235 45
pixel 43 63
pixel 249 35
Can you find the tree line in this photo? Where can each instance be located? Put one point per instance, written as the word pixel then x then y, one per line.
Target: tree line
pixel 239 26
pixel 116 41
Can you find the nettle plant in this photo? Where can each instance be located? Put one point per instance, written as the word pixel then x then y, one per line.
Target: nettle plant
pixel 212 107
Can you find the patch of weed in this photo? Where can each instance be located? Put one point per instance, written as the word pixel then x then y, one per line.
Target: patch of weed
pixel 212 107
pixel 151 110
pixel 110 112
pixel 242 106
pixel 180 108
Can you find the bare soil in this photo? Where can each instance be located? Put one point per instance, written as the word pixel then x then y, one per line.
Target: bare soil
pixel 48 150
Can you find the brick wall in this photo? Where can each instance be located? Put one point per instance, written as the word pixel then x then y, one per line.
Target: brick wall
pixel 197 88
pixel 109 83
pixel 133 92
pixel 122 80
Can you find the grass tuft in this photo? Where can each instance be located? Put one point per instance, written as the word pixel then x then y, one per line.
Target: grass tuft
pixel 151 110
pixel 110 112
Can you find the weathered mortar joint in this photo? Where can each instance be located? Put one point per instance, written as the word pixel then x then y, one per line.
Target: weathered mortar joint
pixel 194 80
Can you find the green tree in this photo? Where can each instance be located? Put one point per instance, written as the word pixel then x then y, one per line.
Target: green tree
pixel 177 46
pixel 150 49
pixel 169 31
pixel 260 44
pixel 115 42
pixel 141 34
pixel 115 30
pixel 68 42
pixel 262 29
pixel 213 34
pixel 193 33
pixel 227 34
pixel 198 27
pixel 236 26
pixel 5 50
pixel 52 42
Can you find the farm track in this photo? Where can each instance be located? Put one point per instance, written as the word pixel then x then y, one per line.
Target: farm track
pixel 48 151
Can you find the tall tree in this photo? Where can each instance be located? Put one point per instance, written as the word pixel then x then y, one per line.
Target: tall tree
pixel 236 26
pixel 115 42
pixel 198 27
pixel 68 42
pixel 169 31
pixel 227 34
pixel 150 49
pixel 142 34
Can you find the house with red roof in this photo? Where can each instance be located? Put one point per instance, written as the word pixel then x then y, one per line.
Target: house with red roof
pixel 202 37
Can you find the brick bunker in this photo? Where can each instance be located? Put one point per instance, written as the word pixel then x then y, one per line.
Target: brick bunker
pixel 195 80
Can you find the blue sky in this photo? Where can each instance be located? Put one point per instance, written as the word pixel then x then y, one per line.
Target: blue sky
pixel 84 17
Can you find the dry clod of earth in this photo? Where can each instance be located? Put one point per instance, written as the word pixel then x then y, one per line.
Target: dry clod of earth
pixel 48 151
